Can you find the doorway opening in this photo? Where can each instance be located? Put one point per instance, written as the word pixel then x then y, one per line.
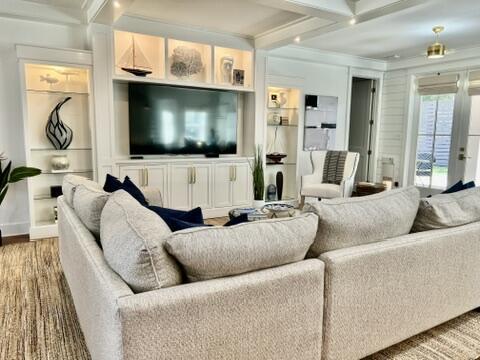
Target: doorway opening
pixel 362 120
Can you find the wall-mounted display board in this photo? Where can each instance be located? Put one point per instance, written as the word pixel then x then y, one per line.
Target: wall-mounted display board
pixel 146 58
pixel 320 122
pixel 233 67
pixel 189 61
pixel 139 55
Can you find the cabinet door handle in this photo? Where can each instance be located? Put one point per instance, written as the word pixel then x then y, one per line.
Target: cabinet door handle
pixel 194 175
pixel 142 177
pixel 190 175
pixel 235 173
pixel 231 173
pixel 146 173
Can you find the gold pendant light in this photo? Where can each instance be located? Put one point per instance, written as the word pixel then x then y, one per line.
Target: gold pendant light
pixel 436 50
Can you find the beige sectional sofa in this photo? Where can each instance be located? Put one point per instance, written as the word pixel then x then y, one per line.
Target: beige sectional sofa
pixel 377 292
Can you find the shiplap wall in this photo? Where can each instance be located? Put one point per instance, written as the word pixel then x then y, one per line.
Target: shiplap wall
pixel 393 118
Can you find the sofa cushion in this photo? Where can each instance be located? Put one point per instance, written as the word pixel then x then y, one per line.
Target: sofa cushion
pixel 349 222
pixel 70 183
pixel 132 238
pixel 448 210
pixel 113 184
pixel 179 219
pixel 88 203
pixel 208 253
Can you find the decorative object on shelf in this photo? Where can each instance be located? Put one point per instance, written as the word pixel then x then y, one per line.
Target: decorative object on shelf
pixel 185 62
pixel 10 176
pixel 284 120
pixel 274 156
pixel 59 134
pixel 279 181
pixel 271 192
pixel 56 191
pixel 276 119
pixel 50 80
pixel 134 61
pixel 282 99
pixel 258 179
pixel 280 210
pixel 238 77
pixel 59 162
pixel 227 69
pixel 273 101
pixel 55 213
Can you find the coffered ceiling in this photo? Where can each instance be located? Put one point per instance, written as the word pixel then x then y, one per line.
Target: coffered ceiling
pixel 379 29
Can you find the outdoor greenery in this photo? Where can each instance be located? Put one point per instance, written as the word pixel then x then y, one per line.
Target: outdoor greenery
pixel 257 173
pixel 10 176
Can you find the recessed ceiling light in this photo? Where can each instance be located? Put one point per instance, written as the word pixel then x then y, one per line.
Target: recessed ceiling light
pixel 116 4
pixel 297 39
pixel 396 56
pixel 352 21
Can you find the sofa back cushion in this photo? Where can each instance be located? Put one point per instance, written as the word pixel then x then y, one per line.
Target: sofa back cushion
pixel 133 239
pixel 349 222
pixel 208 253
pixel 448 210
pixel 70 183
pixel 88 203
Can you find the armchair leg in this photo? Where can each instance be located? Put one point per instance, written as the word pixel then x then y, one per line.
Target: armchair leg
pixel 302 201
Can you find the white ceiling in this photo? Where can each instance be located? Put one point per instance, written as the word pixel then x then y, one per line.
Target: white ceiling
pixel 230 16
pixel 384 27
pixel 407 33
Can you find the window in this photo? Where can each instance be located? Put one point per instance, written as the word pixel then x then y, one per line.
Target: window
pixel 434 140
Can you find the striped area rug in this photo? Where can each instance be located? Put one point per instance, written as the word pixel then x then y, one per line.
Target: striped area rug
pixel 38 320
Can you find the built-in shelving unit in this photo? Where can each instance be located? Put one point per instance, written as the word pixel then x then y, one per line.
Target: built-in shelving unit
pixel 182 63
pixel 45 84
pixel 282 134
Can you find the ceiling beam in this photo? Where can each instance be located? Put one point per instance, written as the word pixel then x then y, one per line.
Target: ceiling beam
pixel 307 28
pixel 107 11
pixel 41 12
pixel 335 10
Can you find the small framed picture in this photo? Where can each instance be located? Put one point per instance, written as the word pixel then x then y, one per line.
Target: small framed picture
pixel 238 77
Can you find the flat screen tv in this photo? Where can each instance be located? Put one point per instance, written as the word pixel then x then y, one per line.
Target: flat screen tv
pixel 181 120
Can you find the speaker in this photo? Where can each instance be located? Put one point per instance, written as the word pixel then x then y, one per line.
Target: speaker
pixel 55 191
pixel 311 101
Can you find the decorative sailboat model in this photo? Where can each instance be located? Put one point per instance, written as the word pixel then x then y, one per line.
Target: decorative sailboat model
pixel 273 156
pixel 134 61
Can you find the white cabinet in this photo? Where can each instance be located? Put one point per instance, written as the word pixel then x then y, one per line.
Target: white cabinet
pixel 190 186
pixel 147 175
pixel 214 185
pixel 232 184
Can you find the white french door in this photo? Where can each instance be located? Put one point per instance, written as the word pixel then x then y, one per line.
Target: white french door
pixel 471 155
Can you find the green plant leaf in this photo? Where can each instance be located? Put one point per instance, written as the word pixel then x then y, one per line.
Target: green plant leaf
pixel 2 194
pixel 23 172
pixel 4 175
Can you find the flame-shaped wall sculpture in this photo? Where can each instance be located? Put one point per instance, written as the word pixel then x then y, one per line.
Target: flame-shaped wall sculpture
pixel 59 134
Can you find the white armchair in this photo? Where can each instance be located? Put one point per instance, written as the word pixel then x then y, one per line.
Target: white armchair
pixel 313 186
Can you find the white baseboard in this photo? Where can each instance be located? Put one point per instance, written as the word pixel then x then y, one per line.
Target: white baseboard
pixel 14 229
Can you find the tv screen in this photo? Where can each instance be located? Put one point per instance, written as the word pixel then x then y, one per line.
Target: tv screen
pixel 179 120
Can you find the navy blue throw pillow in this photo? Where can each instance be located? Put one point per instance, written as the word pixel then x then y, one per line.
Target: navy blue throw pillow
pixel 112 184
pixel 454 188
pixel 242 218
pixel 469 185
pixel 133 190
pixel 176 219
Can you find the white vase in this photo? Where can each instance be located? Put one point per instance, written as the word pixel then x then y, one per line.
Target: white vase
pixel 258 204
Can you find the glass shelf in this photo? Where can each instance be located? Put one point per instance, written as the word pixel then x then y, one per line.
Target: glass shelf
pixel 43 197
pixel 282 108
pixel 280 125
pixel 58 92
pixel 73 171
pixel 69 149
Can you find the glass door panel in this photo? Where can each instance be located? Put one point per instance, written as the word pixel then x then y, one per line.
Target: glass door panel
pixel 472 154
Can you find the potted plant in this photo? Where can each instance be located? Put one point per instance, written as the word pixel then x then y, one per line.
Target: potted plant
pixel 10 176
pixel 258 179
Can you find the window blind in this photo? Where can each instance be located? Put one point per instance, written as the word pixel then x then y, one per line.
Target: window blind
pixel 474 83
pixel 439 84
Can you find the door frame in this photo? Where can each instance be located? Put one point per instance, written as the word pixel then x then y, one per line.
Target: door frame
pixel 376 76
pixel 461 119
